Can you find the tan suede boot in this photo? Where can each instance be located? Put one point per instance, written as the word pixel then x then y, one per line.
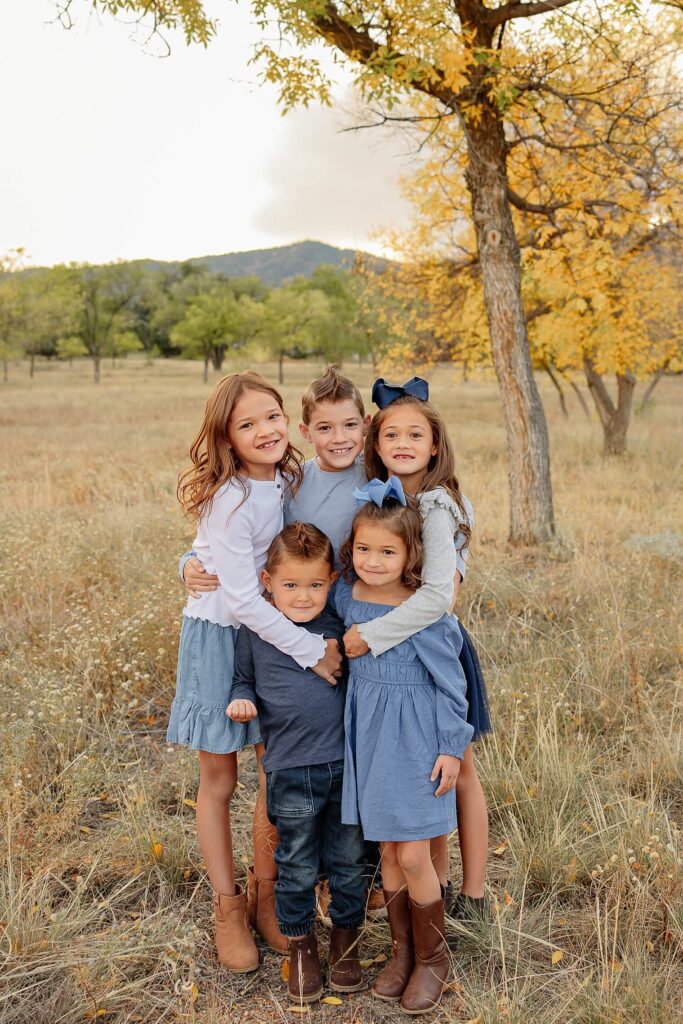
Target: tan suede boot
pixel 428 980
pixel 234 943
pixel 392 980
pixel 261 910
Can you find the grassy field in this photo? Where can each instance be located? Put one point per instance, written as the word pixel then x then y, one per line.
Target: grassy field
pixel 104 908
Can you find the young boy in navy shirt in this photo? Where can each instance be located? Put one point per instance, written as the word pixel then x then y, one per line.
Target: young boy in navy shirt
pixel 302 723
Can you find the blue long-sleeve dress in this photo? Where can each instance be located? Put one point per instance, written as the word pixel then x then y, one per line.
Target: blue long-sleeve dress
pixel 403 709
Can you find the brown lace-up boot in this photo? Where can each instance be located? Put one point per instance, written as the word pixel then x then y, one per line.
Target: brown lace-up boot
pixel 345 970
pixel 234 942
pixel 261 911
pixel 392 980
pixel 305 980
pixel 428 980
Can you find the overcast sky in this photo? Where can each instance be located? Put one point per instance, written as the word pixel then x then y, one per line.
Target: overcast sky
pixel 108 151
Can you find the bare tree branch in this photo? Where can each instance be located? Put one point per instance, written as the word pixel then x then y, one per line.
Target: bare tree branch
pixel 520 10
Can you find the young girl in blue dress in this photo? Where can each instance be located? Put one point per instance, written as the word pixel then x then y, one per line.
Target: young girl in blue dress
pixel 408 438
pixel 242 464
pixel 406 734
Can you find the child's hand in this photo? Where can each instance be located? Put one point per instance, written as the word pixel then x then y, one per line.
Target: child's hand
pixel 197 579
pixel 329 666
pixel 449 769
pixel 354 644
pixel 241 710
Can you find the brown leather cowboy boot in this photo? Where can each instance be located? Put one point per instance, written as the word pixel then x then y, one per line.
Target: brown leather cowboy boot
pixel 392 980
pixel 427 982
pixel 261 910
pixel 234 942
pixel 345 970
pixel 305 980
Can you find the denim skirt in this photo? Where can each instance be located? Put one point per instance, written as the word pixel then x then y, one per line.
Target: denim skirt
pixel 206 664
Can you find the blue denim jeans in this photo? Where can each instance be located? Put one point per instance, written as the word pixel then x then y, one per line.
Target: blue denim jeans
pixel 304 804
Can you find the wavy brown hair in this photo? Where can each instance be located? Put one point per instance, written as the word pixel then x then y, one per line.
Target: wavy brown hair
pixel 440 468
pixel 405 522
pixel 214 461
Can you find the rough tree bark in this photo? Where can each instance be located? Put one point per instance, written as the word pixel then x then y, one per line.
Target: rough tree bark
pixel 96 368
pixel 615 419
pixel 206 369
pixel 281 368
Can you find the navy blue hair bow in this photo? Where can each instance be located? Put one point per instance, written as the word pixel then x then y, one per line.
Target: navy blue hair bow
pixel 384 394
pixel 378 491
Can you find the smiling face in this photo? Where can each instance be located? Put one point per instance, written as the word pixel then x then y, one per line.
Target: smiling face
pixel 405 443
pixel 379 555
pixel 336 430
pixel 300 587
pixel 258 433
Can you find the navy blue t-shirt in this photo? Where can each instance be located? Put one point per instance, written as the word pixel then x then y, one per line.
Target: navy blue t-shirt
pixel 301 716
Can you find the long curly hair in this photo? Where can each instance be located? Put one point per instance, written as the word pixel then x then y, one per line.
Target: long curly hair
pixel 214 461
pixel 441 467
pixel 403 520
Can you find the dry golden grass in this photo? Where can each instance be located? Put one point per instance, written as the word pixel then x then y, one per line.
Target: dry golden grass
pixel 104 909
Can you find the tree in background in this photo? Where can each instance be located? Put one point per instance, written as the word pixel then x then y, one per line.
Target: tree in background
pixel 12 308
pixel 100 305
pixel 215 321
pixel 594 177
pixel 296 321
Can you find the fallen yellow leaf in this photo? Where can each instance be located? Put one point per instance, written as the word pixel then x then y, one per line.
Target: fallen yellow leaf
pixel 476 1020
pixel 85 830
pixel 500 850
pixel 380 958
pixel 284 971
pixel 190 803
pixel 332 1001
pixel 92 1014
pixel 557 956
pixel 194 993
pixel 367 963
pixel 299 1009
pixel 157 850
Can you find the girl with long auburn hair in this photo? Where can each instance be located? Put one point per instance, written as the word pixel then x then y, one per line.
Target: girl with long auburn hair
pixel 408 439
pixel 242 465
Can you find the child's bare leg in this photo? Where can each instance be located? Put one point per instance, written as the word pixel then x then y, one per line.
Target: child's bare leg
pixel 415 861
pixel 473 827
pixel 393 878
pixel 217 778
pixel 264 834
pixel 439 854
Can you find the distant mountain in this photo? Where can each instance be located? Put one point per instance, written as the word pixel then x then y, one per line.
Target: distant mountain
pixel 274 266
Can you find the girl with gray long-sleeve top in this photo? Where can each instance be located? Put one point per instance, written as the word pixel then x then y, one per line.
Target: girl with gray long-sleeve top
pixel 408 438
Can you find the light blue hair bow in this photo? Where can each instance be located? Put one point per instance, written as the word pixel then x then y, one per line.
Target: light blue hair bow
pixel 378 491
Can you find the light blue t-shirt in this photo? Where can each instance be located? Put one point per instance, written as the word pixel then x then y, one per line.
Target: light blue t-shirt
pixel 326 500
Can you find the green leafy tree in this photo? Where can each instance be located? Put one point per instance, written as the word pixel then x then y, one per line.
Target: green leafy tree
pixel 12 308
pixel 102 305
pixel 214 322
pixel 70 347
pixel 294 323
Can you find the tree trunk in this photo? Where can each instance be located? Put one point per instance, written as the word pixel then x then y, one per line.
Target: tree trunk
pixel 654 381
pixel 563 405
pixel 614 419
pixel 96 368
pixel 32 365
pixel 206 369
pixel 465 370
pixel 579 394
pixel 281 368
pixel 531 503
pixel 217 357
